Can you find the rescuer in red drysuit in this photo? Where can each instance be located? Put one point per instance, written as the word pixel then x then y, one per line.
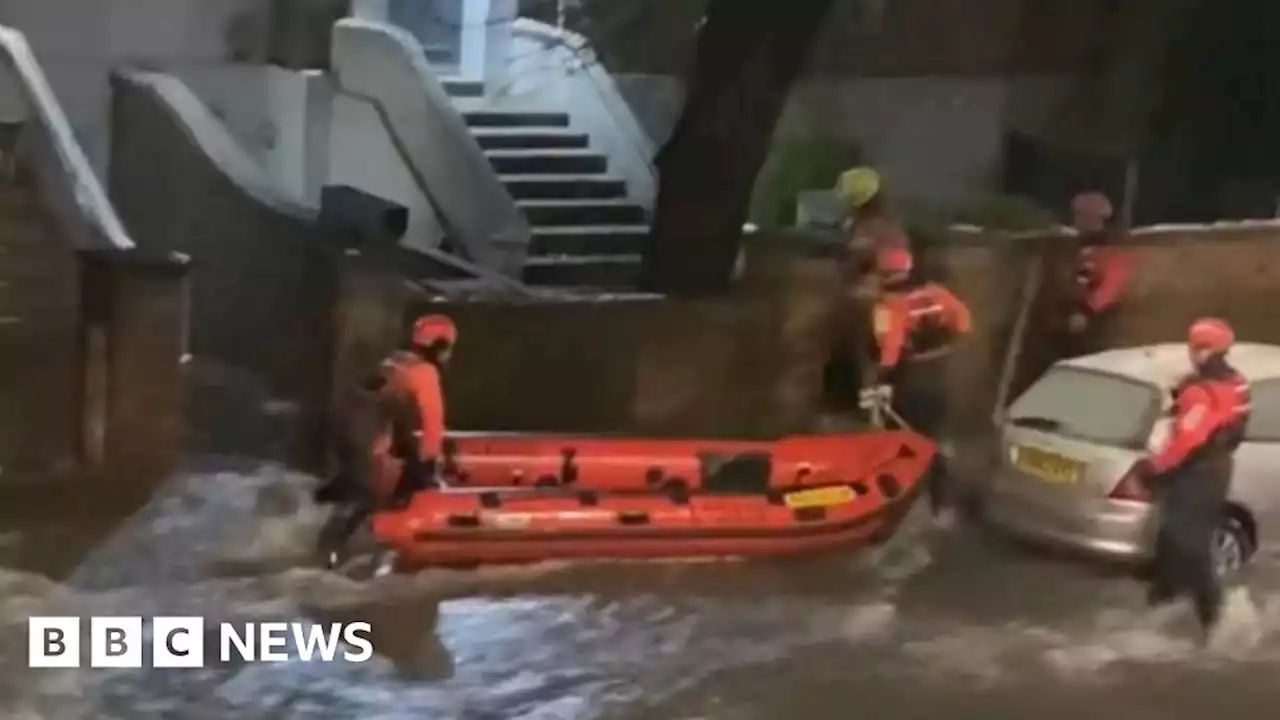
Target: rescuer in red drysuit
pixel 1191 474
pixel 915 325
pixel 409 445
pixel 1101 274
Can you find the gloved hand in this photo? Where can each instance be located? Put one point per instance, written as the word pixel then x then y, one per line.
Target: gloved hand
pixel 875 397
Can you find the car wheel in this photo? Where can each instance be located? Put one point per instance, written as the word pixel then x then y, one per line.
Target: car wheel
pixel 1232 547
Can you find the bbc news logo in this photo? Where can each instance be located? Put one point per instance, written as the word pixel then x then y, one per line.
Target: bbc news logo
pixel 179 642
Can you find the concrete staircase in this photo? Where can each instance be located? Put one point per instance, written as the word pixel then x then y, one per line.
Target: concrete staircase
pixel 39 353
pixel 587 232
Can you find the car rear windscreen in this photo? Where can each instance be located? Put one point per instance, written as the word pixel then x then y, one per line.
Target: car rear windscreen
pixel 1089 405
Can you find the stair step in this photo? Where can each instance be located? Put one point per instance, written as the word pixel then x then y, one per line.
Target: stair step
pixel 440 54
pixel 530 138
pixel 588 240
pixel 515 118
pixel 597 271
pixel 463 88
pixel 550 162
pixel 582 212
pixel 564 187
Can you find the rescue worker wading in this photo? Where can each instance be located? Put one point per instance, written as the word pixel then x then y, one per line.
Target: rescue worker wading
pixel 408 447
pixel 915 325
pixel 1191 474
pixel 1101 275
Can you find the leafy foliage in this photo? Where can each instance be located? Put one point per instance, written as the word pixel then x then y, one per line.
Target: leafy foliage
pixel 795 164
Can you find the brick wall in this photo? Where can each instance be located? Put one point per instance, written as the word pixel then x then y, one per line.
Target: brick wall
pixel 752 364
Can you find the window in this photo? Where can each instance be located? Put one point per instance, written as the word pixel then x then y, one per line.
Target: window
pixel 1090 405
pixel 1264 422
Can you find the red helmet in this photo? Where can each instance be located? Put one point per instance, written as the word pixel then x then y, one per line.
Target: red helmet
pixel 1092 205
pixel 894 260
pixel 1210 334
pixel 431 329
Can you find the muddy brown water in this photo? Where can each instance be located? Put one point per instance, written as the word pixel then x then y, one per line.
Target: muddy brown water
pixel 939 623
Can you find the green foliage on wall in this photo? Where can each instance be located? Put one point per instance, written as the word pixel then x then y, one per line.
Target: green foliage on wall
pixel 807 162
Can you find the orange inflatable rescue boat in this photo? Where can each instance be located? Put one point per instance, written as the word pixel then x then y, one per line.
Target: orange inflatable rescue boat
pixel 524 498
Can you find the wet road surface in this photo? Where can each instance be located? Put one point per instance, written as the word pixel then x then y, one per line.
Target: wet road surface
pixel 938 624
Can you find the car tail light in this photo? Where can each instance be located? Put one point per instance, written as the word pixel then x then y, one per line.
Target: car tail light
pixel 1131 487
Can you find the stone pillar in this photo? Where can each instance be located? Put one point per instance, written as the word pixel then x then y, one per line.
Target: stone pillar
pixel 134 346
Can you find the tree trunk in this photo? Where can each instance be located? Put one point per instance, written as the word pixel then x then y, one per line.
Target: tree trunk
pixel 748 55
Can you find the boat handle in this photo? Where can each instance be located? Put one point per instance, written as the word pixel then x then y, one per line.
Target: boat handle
pixel 632 517
pixel 463 521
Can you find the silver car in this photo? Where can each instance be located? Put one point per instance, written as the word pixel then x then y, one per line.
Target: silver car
pixel 1069 441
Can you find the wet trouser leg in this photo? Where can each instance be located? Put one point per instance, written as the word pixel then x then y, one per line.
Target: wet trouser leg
pixel 1191 511
pixel 415 475
pixel 342 524
pixel 920 398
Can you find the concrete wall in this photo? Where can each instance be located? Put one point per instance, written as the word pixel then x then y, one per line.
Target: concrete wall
pixel 937 138
pixel 79 41
pixel 260 286
pixel 385 67
pixel 279 117
pixel 304 134
pixel 363 154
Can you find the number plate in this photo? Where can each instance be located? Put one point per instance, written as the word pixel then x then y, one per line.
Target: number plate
pixel 819 497
pixel 1048 466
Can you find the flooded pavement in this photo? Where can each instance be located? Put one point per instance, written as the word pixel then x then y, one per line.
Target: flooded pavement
pixel 938 624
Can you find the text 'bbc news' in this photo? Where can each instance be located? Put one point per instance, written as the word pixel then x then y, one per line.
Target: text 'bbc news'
pixel 188 642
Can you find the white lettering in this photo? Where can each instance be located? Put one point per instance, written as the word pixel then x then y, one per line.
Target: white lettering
pixel 307 639
pixel 273 635
pixel 177 642
pixel 357 635
pixel 243 643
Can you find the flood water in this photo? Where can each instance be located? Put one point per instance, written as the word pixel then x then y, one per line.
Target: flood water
pixel 939 624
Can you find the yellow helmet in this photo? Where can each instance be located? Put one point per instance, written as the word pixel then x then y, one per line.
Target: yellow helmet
pixel 857 186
